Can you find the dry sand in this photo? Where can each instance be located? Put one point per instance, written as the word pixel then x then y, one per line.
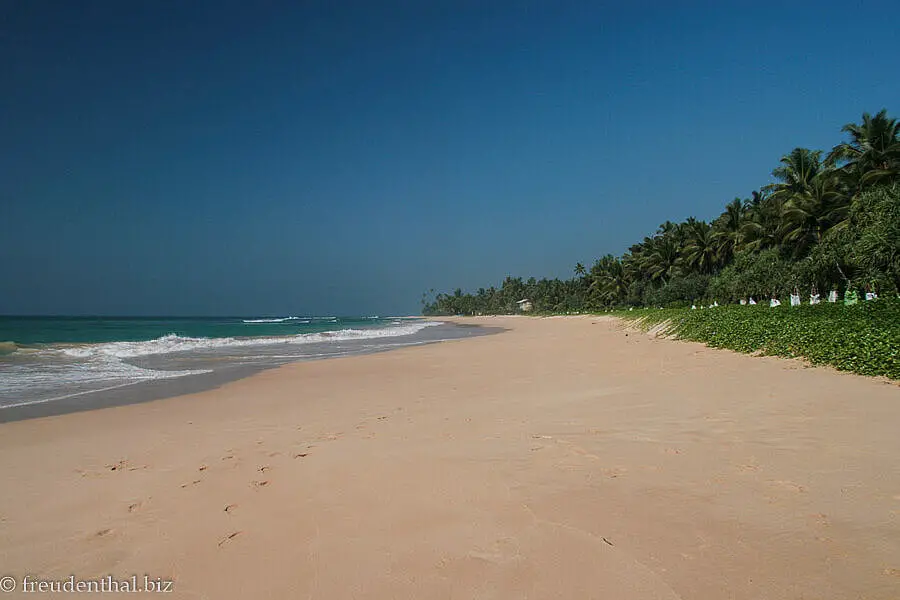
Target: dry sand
pixel 561 459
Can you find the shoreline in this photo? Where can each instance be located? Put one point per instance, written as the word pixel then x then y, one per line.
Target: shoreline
pixel 141 391
pixel 567 458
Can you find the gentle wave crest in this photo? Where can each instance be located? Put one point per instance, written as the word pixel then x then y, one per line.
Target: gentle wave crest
pixel 275 320
pixel 174 343
pixel 49 372
pixel 97 374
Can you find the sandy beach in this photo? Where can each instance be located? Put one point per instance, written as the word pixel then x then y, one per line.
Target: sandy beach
pixel 563 458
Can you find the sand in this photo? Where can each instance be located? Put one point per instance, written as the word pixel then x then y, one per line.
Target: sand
pixel 560 459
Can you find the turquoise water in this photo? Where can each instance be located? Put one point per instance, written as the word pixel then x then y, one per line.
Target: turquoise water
pixel 43 359
pixel 28 331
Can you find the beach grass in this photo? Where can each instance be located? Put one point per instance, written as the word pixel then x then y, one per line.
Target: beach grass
pixel 863 338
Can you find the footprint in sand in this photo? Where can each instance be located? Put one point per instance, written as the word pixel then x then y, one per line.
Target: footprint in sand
pixel 576 449
pixel 263 468
pixel 789 485
pixel 231 459
pixel 103 532
pixel 582 452
pixel 229 537
pixel 135 506
pixel 259 484
pixel 301 455
pixel 613 472
pixel 122 465
pixel 821 519
pixel 194 482
pixel 230 508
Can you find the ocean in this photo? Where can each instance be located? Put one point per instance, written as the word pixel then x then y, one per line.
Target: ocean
pixel 46 360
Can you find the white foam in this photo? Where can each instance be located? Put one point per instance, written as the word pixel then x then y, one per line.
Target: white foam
pixel 76 370
pixel 276 320
pixel 151 375
pixel 84 377
pixel 63 397
pixel 171 343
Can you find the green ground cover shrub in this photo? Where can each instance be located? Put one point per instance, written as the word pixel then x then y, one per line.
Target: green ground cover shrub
pixel 864 338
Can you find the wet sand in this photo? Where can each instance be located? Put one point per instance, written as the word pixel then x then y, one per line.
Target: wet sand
pixel 564 458
pixel 219 374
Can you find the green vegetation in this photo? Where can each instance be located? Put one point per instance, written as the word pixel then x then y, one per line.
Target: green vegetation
pixel 864 338
pixel 829 222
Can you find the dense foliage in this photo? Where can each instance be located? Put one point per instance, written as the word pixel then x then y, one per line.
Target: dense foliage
pixel 864 338
pixel 830 221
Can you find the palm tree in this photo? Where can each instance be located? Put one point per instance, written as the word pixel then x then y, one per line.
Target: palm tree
pixel 761 228
pixel 667 228
pixel 757 197
pixel 796 173
pixel 814 210
pixel 701 251
pixel 728 228
pixel 661 262
pixel 873 153
pixel 804 203
pixel 807 216
pixel 610 280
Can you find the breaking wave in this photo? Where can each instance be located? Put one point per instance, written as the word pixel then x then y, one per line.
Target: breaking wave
pixel 174 343
pixel 275 320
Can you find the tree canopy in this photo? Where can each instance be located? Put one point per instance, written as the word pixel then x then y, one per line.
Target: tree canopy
pixel 829 222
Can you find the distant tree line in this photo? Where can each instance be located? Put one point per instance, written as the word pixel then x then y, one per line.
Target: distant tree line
pixel 829 222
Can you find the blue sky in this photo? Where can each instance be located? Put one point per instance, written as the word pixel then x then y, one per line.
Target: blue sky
pixel 170 157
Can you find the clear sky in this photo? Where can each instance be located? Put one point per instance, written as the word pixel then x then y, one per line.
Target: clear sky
pixel 341 157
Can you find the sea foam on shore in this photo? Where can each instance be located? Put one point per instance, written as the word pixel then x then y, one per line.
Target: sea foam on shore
pixel 56 370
